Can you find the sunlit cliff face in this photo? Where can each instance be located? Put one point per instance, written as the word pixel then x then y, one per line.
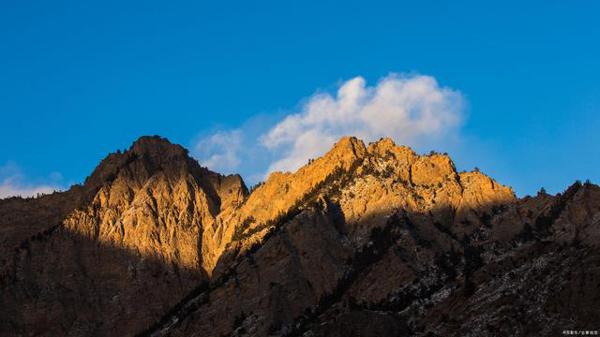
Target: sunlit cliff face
pixel 160 203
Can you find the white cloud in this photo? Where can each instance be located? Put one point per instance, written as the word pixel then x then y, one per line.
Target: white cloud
pixel 220 150
pixel 413 110
pixel 13 183
pixel 409 109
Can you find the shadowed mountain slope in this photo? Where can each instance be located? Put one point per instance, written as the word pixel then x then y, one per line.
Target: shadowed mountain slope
pixel 368 240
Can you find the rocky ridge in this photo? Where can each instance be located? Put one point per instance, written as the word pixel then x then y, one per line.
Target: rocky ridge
pixel 368 240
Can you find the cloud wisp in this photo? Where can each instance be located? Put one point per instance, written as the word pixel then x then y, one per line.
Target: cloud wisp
pixel 413 110
pixel 13 183
pixel 408 109
pixel 220 151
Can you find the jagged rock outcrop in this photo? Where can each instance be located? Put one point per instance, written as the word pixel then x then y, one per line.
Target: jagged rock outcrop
pixel 120 259
pixel 368 240
pixel 373 182
pixel 159 203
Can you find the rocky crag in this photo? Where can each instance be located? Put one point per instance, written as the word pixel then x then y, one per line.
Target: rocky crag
pixel 368 240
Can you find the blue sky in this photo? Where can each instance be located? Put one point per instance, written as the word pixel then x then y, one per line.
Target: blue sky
pixel 81 79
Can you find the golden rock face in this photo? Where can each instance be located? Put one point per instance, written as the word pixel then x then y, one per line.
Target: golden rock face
pixel 173 215
pixel 361 237
pixel 380 179
pixel 165 213
pixel 173 218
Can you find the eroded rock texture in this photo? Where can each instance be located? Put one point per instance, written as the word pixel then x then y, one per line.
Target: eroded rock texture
pixel 368 240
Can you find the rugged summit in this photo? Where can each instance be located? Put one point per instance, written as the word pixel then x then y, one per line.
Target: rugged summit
pixel 119 257
pixel 368 240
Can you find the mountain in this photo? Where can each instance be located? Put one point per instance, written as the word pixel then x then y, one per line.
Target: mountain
pixel 368 240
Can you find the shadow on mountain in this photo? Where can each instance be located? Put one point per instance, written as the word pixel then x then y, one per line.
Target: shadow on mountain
pixel 22 218
pixel 60 283
pixel 412 274
pixel 505 269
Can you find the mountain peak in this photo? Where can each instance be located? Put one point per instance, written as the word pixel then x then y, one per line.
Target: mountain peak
pixel 347 147
pixel 157 147
pixel 147 155
pixel 384 142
